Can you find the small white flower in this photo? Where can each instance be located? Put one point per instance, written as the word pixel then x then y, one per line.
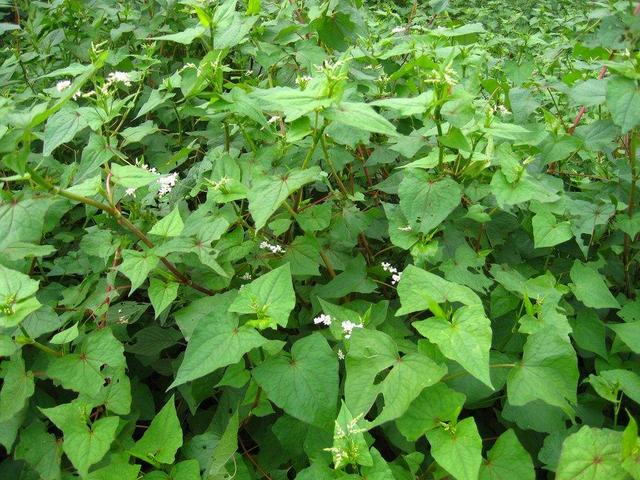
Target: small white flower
pixel 274 119
pixel 220 183
pixel 77 95
pixel 121 77
pixel 62 85
pixel 249 72
pixel 166 183
pixel 322 319
pixel 395 278
pixel 264 245
pixel 405 229
pixel 131 192
pixel 399 30
pixel 348 326
pixel 303 79
pixel 340 355
pixel 146 167
pixel 246 276
pixel 387 267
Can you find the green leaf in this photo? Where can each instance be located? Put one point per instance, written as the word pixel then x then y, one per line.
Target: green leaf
pixel 547 232
pixel 40 450
pixel 136 134
pixel 623 101
pixel 427 203
pixel 591 453
pixel 465 339
pixel 66 336
pixel 162 294
pixel 270 298
pixel 590 288
pixel 268 193
pixel 17 297
pixel 162 439
pixel 548 372
pixel 629 333
pixel 304 383
pixel 84 445
pixel 136 266
pixel 216 342
pixel 419 289
pixel 224 450
pixel 253 7
pixel 185 37
pixel 507 460
pixel 458 449
pixel 434 405
pixel 17 388
pixel 349 445
pixel 372 352
pixel 132 177
pixel 169 226
pixel 589 93
pixel 61 128
pixel 407 106
pixel 361 116
pixel 81 370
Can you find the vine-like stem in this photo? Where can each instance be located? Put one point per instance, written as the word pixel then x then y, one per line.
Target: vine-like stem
pixel 631 147
pixel 123 221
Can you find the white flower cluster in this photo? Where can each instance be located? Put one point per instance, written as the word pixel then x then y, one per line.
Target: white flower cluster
pixel 322 319
pixel 246 276
pixel 348 326
pixel 130 191
pixel 274 248
pixel 502 109
pixel 167 183
pixel 395 275
pixel 118 77
pixel 219 184
pixel 399 30
pixel 340 354
pixel 62 85
pixel 303 80
pixel 274 119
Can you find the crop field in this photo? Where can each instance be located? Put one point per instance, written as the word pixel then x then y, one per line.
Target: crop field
pixel 319 239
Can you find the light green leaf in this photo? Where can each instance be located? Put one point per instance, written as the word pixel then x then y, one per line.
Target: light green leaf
pixel 132 177
pixel 169 226
pixel 224 450
pixel 623 100
pixel 40 450
pixel 136 134
pixel 162 439
pixel 268 193
pixel 349 445
pixel 427 203
pixel 17 297
pixel 590 288
pixel 270 298
pixel 216 342
pixel 185 37
pixel 162 294
pixel 372 352
pixel 17 388
pixel 547 232
pixel 589 93
pixel 65 336
pixel 458 449
pixel 407 106
pixel 629 333
pixel 507 460
pixel 419 289
pixel 590 454
pixel 305 383
pixel 136 266
pixel 81 370
pixel 361 116
pixel 84 445
pixel 548 372
pixel 61 128
pixel 465 339
pixel 434 405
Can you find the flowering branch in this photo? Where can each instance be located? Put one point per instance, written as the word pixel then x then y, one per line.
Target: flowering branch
pixel 123 221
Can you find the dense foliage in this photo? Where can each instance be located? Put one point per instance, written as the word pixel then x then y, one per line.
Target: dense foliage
pixel 319 239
